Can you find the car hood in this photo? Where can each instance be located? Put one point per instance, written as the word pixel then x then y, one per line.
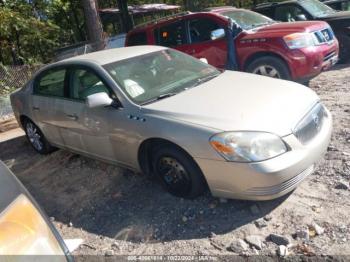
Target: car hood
pixel 239 101
pixel 281 29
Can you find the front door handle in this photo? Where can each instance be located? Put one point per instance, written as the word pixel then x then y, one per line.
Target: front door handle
pixel 36 108
pixel 72 116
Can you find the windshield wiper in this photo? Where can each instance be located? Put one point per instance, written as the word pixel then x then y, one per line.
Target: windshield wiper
pixel 160 97
pixel 262 24
pixel 203 80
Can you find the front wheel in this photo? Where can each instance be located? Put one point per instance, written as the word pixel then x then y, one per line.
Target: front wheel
pixel 269 66
pixel 178 172
pixel 37 139
pixel 344 52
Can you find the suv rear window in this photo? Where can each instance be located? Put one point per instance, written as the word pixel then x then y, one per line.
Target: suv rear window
pixel 139 38
pixel 171 35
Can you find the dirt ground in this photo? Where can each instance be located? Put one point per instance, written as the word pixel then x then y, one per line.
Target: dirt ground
pixel 118 212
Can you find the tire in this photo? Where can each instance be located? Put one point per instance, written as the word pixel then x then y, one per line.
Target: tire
pixel 177 172
pixel 36 138
pixel 271 65
pixel 344 52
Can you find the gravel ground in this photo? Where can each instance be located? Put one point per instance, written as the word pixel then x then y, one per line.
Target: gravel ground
pixel 117 212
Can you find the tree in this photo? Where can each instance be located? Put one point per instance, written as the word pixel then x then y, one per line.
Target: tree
pixel 93 23
pixel 25 37
pixel 125 16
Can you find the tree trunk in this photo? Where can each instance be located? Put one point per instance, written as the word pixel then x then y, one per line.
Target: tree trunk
pixel 125 16
pixel 79 28
pixel 93 23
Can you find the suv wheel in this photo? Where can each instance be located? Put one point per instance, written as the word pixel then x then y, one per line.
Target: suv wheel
pixel 269 66
pixel 37 139
pixel 344 54
pixel 177 172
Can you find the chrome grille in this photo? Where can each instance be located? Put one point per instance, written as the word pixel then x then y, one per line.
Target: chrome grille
pixel 311 124
pixel 324 36
pixel 329 56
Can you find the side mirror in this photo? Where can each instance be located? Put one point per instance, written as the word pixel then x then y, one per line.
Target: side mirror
pixel 98 100
pixel 301 17
pixel 204 60
pixel 217 34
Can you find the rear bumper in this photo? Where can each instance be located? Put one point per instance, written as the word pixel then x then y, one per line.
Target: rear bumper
pixel 309 62
pixel 268 179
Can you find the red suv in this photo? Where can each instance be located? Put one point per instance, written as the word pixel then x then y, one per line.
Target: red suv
pixel 296 51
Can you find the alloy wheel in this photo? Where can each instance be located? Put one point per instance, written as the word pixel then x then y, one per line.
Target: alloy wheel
pixel 267 70
pixel 34 136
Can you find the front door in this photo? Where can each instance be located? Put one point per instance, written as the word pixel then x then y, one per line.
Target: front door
pixel 89 130
pixel 207 40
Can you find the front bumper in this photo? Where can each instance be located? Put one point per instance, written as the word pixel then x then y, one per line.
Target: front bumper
pixel 309 62
pixel 268 179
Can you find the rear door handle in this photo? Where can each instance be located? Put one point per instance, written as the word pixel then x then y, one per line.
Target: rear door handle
pixel 36 108
pixel 72 116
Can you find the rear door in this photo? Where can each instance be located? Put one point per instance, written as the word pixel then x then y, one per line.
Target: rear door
pixel 49 95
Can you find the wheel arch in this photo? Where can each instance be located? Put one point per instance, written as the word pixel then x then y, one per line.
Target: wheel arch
pixel 23 118
pixel 261 54
pixel 145 153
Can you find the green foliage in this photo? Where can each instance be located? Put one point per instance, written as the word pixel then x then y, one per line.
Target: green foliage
pixel 24 36
pixel 31 29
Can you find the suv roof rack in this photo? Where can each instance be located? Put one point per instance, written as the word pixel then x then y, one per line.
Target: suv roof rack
pixel 165 18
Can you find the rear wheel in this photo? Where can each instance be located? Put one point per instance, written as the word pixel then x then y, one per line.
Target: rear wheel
pixel 178 172
pixel 36 138
pixel 269 66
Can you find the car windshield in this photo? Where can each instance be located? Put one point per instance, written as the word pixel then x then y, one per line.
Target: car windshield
pixel 157 75
pixel 316 8
pixel 248 19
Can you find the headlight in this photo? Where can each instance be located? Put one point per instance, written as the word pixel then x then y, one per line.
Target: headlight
pixel 23 231
pixel 248 146
pixel 299 40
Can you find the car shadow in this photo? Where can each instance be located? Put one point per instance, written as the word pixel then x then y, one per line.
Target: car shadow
pixel 114 202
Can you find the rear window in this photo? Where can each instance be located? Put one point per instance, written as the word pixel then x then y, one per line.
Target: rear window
pixel 139 38
pixel 51 83
pixel 171 35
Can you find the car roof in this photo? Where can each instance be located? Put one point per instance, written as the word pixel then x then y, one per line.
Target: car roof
pixel 113 55
pixel 219 8
pixel 333 1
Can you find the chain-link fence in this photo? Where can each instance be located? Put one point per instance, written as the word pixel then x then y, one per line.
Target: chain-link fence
pixel 12 78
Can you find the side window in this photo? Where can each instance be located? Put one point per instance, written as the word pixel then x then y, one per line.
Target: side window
pixel 51 83
pixel 171 35
pixel 139 38
pixel 269 12
pixel 289 13
pixel 201 29
pixel 83 83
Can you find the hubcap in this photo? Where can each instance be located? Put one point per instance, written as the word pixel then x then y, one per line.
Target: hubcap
pixel 174 175
pixel 267 70
pixel 34 136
